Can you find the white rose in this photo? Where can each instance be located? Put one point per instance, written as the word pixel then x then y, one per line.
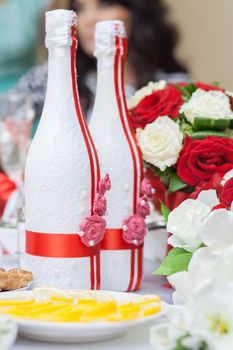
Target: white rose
pixel 160 142
pixel 185 223
pixel 207 104
pixel 145 91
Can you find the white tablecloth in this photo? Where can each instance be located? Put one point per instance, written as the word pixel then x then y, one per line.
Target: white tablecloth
pixel 135 340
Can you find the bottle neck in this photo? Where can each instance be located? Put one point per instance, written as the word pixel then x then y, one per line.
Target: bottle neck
pixel 110 69
pixel 61 71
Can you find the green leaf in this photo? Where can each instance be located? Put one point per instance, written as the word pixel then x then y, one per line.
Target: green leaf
pixel 185 93
pixel 191 88
pixel 204 123
pixel 179 343
pixel 175 183
pixel 215 83
pixel 177 260
pixel 165 211
pixel 200 135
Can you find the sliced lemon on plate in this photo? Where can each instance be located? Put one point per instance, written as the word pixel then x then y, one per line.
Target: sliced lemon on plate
pixel 99 296
pixel 42 294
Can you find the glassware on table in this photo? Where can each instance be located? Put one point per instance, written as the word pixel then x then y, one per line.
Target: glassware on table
pixel 21 231
pixel 16 115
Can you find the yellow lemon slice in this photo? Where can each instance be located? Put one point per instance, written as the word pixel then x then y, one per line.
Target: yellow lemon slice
pixel 80 295
pixel 42 294
pixel 147 299
pixel 17 299
pixel 99 296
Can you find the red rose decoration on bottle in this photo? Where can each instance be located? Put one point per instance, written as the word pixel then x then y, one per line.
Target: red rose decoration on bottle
pixel 143 207
pixel 92 230
pixel 160 103
pixel 100 204
pixel 146 188
pixel 226 195
pixel 104 184
pixel 200 159
pixel 134 229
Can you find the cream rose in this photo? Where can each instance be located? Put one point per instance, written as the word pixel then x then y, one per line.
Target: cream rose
pixel 145 91
pixel 207 104
pixel 160 142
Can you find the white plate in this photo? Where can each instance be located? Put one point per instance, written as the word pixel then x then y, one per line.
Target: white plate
pixel 82 332
pixel 6 292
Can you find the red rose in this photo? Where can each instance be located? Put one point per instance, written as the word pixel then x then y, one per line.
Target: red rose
pixel 213 184
pixel 93 230
pixel 208 87
pixel 200 160
pixel 231 103
pixel 161 102
pixel 226 195
pixel 6 188
pixel 100 205
pixel 134 229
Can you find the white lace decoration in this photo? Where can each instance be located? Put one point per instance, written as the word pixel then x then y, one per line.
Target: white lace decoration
pixel 58 28
pixel 105 34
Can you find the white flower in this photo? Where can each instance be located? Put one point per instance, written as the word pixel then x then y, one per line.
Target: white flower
pixel 217 231
pixel 210 314
pixel 160 142
pixel 206 320
pixel 202 263
pixel 145 91
pixel 227 177
pixel 229 93
pixel 184 223
pixel 8 332
pixel 203 266
pixel 207 104
pixel 164 336
pixel 208 197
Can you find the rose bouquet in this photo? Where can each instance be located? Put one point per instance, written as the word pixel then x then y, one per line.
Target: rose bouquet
pixel 185 135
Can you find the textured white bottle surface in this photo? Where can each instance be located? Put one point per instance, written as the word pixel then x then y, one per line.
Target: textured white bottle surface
pixel 115 158
pixel 57 176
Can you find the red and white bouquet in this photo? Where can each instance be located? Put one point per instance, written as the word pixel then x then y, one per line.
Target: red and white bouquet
pixel 185 132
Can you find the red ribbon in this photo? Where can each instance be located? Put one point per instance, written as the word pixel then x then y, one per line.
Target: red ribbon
pixel 54 245
pixel 118 59
pixel 113 240
pixel 57 245
pixel 94 162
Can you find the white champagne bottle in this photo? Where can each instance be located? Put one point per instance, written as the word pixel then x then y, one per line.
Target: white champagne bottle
pixel 121 263
pixel 62 172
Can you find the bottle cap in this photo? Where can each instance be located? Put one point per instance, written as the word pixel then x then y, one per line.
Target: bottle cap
pixel 105 36
pixel 58 28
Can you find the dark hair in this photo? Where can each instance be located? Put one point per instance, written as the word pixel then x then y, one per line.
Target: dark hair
pixel 151 44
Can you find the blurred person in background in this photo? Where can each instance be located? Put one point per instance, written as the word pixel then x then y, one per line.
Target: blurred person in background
pixel 20 29
pixel 151 44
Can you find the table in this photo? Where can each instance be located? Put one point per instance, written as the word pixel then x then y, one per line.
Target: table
pixel 134 340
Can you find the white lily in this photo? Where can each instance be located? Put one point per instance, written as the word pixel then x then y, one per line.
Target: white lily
pixel 208 197
pixel 185 222
pixel 206 319
pixel 203 266
pixel 202 263
pixel 217 231
pixel 210 314
pixel 164 336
